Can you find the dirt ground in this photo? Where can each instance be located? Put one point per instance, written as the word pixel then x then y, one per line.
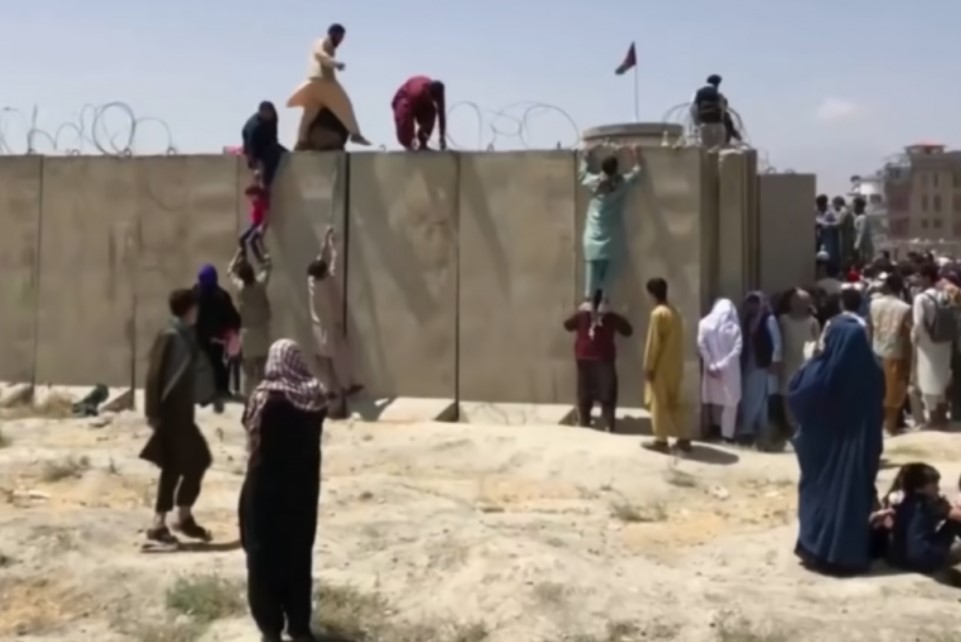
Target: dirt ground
pixel 449 533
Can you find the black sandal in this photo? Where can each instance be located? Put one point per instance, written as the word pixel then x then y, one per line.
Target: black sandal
pixel 161 535
pixel 190 528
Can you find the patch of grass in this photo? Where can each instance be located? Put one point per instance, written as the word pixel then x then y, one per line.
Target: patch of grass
pixel 206 598
pixel 5 441
pixel 171 631
pixel 54 405
pixel 6 561
pixel 742 630
pixel 66 468
pixel 625 511
pixel 344 614
pixel 618 631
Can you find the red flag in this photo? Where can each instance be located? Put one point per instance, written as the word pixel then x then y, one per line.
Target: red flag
pixel 630 61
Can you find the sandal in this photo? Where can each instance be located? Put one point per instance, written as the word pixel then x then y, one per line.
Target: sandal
pixel 190 528
pixel 161 535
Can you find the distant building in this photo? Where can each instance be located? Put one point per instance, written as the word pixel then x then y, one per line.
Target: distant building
pixel 922 190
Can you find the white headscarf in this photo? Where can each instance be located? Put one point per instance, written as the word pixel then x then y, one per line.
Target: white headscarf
pixel 720 329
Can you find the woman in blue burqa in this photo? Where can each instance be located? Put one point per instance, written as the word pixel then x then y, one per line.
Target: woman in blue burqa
pixel 838 400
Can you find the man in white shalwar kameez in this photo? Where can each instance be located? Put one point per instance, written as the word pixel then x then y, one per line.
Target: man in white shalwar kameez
pixel 719 343
pixel 933 360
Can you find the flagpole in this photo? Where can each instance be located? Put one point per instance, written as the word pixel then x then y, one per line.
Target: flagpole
pixel 637 97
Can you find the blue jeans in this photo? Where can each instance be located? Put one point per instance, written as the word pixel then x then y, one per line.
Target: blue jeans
pixel 597 274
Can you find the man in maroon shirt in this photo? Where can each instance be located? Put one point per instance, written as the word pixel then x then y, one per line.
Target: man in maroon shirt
pixel 417 104
pixel 594 350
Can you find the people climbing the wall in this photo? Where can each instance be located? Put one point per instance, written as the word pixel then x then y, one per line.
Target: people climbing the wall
pixel 708 109
pixel 664 371
pixel 323 97
pixel 417 105
pixel 283 420
pixel 179 376
pixel 253 236
pixel 602 244
pixel 255 315
pixel 261 145
pixel 333 351
pixel 217 320
pixel 596 327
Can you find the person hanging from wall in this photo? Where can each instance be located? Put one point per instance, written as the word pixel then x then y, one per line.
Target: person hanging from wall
pixel 253 236
pixel 178 377
pixel 326 310
pixel 261 146
pixel 417 105
pixel 608 190
pixel 708 108
pixel 255 316
pixel 596 355
pixel 322 92
pixel 217 319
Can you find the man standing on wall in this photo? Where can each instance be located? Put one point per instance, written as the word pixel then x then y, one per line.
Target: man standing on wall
pixel 608 190
pixel 417 104
pixel 708 109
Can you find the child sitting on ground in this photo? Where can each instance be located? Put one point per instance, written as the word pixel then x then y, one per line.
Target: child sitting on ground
pixel 594 350
pixel 924 526
pixel 259 206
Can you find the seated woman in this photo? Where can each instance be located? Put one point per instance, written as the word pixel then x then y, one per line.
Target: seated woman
pixel 926 526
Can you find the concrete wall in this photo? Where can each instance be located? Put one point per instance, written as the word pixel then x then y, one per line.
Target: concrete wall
pixel 457 269
pixel 19 265
pixel 786 231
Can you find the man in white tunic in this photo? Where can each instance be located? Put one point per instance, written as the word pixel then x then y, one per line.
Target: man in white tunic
pixel 933 359
pixel 719 343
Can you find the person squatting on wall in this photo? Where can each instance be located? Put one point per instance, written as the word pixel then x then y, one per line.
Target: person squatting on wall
pixel 255 316
pixel 178 377
pixel 261 145
pixel 332 348
pixel 709 111
pixel 601 240
pixel 278 501
pixel 417 104
pixel 596 326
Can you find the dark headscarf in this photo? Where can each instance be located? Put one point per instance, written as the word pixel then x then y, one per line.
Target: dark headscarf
pixel 207 278
pixel 259 133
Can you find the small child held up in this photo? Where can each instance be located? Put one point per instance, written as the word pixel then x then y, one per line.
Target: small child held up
pixel 596 327
pixel 259 206
pixel 924 526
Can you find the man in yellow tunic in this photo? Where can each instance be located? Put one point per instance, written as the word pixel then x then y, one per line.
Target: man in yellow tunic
pixel 664 370
pixel 322 90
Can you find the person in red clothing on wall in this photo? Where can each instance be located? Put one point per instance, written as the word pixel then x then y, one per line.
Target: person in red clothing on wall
pixel 417 104
pixel 596 327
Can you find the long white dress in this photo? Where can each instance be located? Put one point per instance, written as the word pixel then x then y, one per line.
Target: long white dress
pixel 933 359
pixel 719 343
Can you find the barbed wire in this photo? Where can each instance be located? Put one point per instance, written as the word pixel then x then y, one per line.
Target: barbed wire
pixel 510 123
pixel 95 128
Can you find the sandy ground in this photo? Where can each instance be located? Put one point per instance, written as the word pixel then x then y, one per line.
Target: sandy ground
pixel 529 533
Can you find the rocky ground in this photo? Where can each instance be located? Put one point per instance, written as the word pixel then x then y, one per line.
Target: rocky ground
pixel 448 533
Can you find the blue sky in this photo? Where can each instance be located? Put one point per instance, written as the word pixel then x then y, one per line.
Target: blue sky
pixel 829 87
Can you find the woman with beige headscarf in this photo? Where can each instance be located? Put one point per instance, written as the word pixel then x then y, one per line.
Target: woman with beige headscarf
pixel 799 332
pixel 322 90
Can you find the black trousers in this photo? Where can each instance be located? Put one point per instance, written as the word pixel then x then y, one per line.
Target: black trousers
pixel 215 353
pixel 279 575
pixel 177 489
pixel 596 383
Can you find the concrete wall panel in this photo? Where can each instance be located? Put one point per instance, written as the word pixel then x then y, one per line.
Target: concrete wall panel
pixel 786 230
pixel 188 215
pixel 308 196
pixel 662 228
pixel 87 257
pixel 517 259
pixel 737 224
pixel 402 272
pixel 19 247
